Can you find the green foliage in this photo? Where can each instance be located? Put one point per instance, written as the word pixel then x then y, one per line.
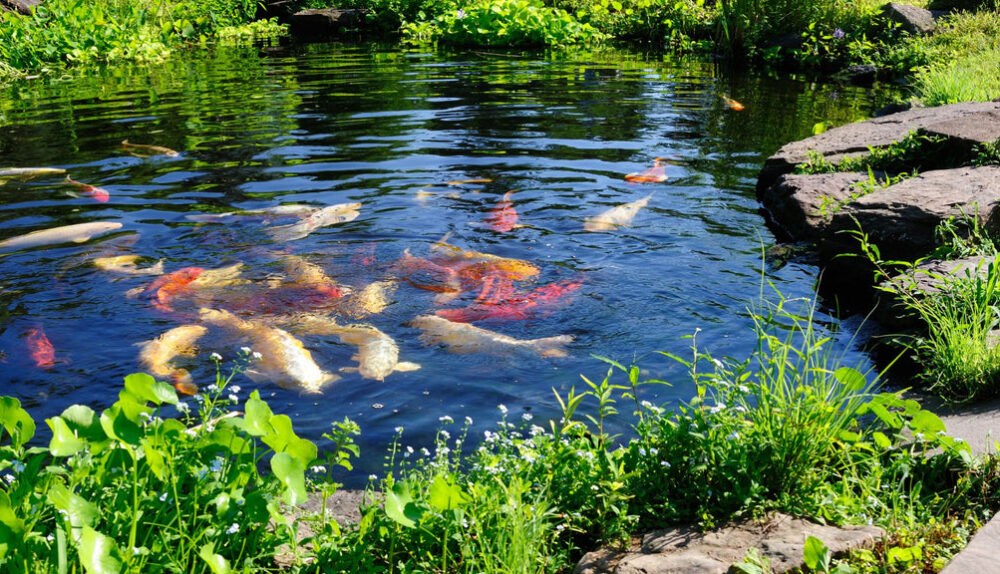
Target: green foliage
pixel 970 78
pixel 507 23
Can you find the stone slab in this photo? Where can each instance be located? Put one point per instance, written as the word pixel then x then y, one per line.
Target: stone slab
pixel 982 555
pixel 20 6
pixel 800 206
pixel 853 140
pixel 912 19
pixel 901 218
pixel 968 130
pixel 685 550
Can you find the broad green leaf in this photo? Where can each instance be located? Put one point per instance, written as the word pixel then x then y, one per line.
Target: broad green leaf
pixel 154 457
pixel 852 379
pixel 444 494
pixel 98 553
pixel 292 473
pixel 819 128
pixel 881 440
pixel 927 422
pixel 146 388
pixel 119 426
pixel 216 562
pixel 257 420
pixel 78 510
pixel 284 439
pixel 815 554
pixel 134 408
pixel 64 442
pixel 8 517
pixel 399 505
pixel 16 421
pixel 897 554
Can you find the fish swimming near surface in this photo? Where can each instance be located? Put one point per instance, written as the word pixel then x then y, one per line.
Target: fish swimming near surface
pixel 473 265
pixel 503 216
pixel 162 290
pixel 126 265
pixel 426 274
pixel 40 348
pixel 26 173
pixel 148 150
pixel 307 274
pixel 284 360
pixel 330 215
pixel 731 103
pixel 500 305
pixel 378 354
pixel 288 210
pixel 465 338
pixel 99 195
pixel 76 233
pixel 618 216
pixel 465 181
pixel 369 300
pixel 655 174
pixel 156 355
pixel 221 277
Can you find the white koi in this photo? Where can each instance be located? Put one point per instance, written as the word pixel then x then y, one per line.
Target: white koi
pixel 618 216
pixel 465 338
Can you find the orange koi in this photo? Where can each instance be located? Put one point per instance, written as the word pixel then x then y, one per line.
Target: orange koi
pixel 40 348
pixel 465 181
pixel 426 274
pixel 731 103
pixel 186 387
pixel 655 174
pixel 97 193
pixel 503 217
pixel 164 288
pixel 514 308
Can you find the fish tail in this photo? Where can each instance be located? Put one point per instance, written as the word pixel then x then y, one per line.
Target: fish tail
pixel 552 346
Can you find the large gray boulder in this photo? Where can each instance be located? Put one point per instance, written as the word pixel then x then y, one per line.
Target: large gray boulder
pixel 687 551
pixel 912 19
pixel 326 22
pixel 901 218
pixel 801 206
pixel 853 140
pixel 20 6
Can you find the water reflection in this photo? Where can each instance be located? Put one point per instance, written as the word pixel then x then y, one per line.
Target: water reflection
pixel 325 124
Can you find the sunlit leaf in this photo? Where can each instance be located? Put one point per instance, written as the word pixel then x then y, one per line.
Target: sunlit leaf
pixel 257 420
pixel 64 442
pixel 815 554
pixel 399 506
pixel 292 473
pixel 284 439
pixel 146 388
pixel 852 379
pixel 216 562
pixel 78 510
pixel 444 494
pixel 98 553
pixel 16 421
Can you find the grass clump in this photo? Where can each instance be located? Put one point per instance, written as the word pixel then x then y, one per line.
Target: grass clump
pixel 969 78
pixel 915 152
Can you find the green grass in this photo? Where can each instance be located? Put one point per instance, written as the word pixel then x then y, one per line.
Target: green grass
pixel 971 77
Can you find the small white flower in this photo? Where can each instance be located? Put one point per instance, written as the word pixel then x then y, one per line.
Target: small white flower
pixel 536 430
pixel 918 435
pixel 642 451
pixel 234 398
pixel 446 419
pixel 503 408
pixel 318 469
pixel 9 478
pixel 446 434
pixel 399 430
pixel 409 449
pixel 235 388
pixel 183 408
pixel 425 452
pixel 215 357
pixel 664 464
pixel 717 408
pixel 163 497
pixel 145 416
pixel 743 388
pixel 217 464
pixel 468 420
pixel 257 356
pixel 233 529
pixel 372 477
pixel 527 416
pixel 594 487
pixel 560 527
pixel 135 550
pixel 444 450
pixel 653 451
pixel 733 436
pixel 213 388
pixel 245 350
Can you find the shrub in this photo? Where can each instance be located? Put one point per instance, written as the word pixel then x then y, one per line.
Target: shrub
pixel 970 78
pixel 512 23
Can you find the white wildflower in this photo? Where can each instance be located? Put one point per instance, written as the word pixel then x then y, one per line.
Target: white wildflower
pixel 233 397
pixel 213 388
pixel 468 421
pixel 318 469
pixel 527 416
pixel 664 464
pixel 654 451
pixel 17 466
pixel 233 529
pixel 594 487
pixel 183 408
pixel 446 419
pixel 503 408
pixel 425 452
pixel 9 478
pixel 399 430
pixel 257 356
pixel 717 408
pixel 733 436
pixel 235 389
pixel 245 350
pixel 642 451
pixel 446 434
pixel 215 357
pixel 372 477
pixel 163 497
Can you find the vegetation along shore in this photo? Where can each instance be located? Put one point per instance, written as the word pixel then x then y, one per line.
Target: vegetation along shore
pixel 901 211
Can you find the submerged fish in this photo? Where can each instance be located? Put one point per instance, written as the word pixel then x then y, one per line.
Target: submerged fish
pixel 40 348
pixel 125 264
pixel 465 338
pixel 330 215
pixel 100 195
pixel 156 354
pixel 163 289
pixel 465 181
pixel 370 300
pixel 618 216
pixel 307 274
pixel 473 265
pixel 426 274
pixel 731 103
pixel 76 233
pixel 503 216
pixel 378 354
pixel 655 174
pixel 285 361
pixel 26 173
pixel 140 149
pixel 499 304
pixel 222 277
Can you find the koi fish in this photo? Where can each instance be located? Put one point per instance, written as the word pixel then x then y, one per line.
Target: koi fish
pixel 378 354
pixel 618 216
pixel 513 308
pixel 156 354
pixel 503 216
pixel 285 361
pixel 426 274
pixel 330 215
pixel 40 348
pixel 370 300
pixel 464 338
pixel 163 289
pixel 465 181
pixel 222 277
pixel 308 274
pixel 76 233
pixel 731 103
pixel 125 264
pixel 140 149
pixel 26 173
pixel 97 193
pixel 655 174
pixel 475 265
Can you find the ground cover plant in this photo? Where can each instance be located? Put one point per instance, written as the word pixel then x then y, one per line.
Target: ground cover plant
pixel 788 428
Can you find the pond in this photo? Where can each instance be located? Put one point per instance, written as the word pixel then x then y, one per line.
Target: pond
pixel 430 145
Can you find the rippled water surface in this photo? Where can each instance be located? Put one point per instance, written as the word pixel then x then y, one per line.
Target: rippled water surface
pixel 328 124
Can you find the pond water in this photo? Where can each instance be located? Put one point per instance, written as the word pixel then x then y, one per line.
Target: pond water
pixel 389 129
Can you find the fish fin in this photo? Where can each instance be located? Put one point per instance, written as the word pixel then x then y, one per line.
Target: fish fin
pixel 156 269
pixel 82 239
pixel 135 292
pixel 406 366
pixel 445 297
pixel 348 369
pixel 552 347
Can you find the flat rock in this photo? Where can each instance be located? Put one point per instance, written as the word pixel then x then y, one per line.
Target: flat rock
pixel 326 22
pixel 980 556
pixel 853 140
pixel 912 19
pixel 685 550
pixel 968 131
pixel 901 218
pixel 800 206
pixel 20 6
